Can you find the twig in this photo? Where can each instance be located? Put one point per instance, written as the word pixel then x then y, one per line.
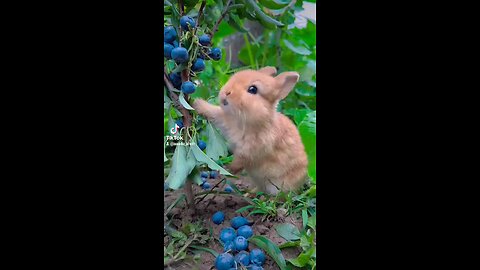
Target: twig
pixel 215 28
pixel 201 199
pixel 187 118
pixel 200 12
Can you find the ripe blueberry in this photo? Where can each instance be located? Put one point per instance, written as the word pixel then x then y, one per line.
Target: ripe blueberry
pixel 167 50
pixel 243 258
pixel 228 189
pixel 218 217
pixel 202 145
pixel 180 55
pixel 227 234
pixel 241 243
pixel 188 87
pixel 229 246
pixel 187 22
pixel 204 174
pixel 169 34
pixel 257 257
pixel 179 123
pixel 175 44
pixel 224 261
pixel 213 174
pixel 238 222
pixel 198 65
pixel 176 79
pixel 204 40
pixel 215 54
pixel 206 185
pixel 245 231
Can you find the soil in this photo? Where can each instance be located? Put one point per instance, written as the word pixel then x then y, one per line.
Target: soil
pixel 228 204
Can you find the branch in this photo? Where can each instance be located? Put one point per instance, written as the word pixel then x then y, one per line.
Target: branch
pixel 187 118
pixel 200 12
pixel 215 28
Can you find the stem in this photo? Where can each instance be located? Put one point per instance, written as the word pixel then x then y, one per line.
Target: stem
pixel 200 12
pixel 215 28
pixel 187 118
pixel 201 199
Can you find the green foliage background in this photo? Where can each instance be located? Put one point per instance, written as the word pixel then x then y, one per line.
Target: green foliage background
pixel 281 44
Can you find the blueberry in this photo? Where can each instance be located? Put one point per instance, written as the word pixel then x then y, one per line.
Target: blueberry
pixel 204 180
pixel 202 145
pixel 229 246
pixel 213 174
pixel 180 55
pixel 169 34
pixel 245 231
pixel 165 186
pixel 206 185
pixel 175 44
pixel 241 243
pixel 224 261
pixel 204 40
pixel 179 123
pixel 215 54
pixel 204 174
pixel 227 234
pixel 167 50
pixel 228 189
pixel 238 222
pixel 188 87
pixel 257 257
pixel 187 22
pixel 243 258
pixel 176 79
pixel 218 217
pixel 198 65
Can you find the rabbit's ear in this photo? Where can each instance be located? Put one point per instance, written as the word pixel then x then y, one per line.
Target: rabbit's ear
pixel 270 71
pixel 285 83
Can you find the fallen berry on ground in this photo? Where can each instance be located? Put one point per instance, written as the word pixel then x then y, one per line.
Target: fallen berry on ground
pixel 218 217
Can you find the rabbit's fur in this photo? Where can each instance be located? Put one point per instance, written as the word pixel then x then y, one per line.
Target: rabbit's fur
pixel 264 142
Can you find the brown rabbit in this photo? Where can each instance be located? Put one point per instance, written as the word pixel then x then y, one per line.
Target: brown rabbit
pixel 264 142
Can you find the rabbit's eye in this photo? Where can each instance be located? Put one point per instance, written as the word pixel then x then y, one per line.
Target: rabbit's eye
pixel 252 89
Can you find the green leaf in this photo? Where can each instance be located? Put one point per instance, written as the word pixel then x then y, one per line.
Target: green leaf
pixel 289 244
pixel 179 170
pixel 274 4
pixel 288 231
pixel 245 208
pixel 308 133
pixel 304 218
pixel 299 115
pixel 312 222
pixel 303 258
pixel 216 145
pixel 200 156
pixel 297 49
pixel 209 250
pixel 271 249
pixel 258 211
pixel 261 16
pixel 184 103
pixel 235 22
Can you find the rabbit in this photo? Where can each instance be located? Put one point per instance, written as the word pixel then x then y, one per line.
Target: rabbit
pixel 263 141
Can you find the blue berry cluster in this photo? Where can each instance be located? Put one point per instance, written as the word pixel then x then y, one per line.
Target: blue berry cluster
pixel 172 50
pixel 235 240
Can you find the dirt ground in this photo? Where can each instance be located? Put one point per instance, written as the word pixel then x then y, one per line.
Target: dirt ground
pixel 228 204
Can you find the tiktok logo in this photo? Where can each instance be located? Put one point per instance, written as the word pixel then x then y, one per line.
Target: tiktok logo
pixel 175 129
